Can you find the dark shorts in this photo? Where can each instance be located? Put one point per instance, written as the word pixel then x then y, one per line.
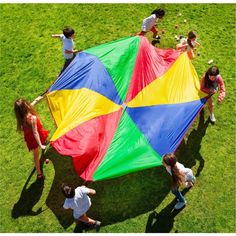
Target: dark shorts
pixel 67 63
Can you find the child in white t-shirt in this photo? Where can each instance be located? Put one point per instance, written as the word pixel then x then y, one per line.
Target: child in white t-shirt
pixel 79 201
pixel 180 175
pixel 149 23
pixel 68 45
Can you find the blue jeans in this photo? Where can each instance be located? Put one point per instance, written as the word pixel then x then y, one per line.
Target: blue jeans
pixel 178 195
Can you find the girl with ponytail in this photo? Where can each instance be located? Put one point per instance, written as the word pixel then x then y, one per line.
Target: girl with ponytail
pixel 188 44
pixel 180 176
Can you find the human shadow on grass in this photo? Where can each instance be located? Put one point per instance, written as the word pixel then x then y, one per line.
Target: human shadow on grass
pixel 124 197
pixel 29 196
pixel 188 152
pixel 116 199
pixel 64 173
pixel 163 221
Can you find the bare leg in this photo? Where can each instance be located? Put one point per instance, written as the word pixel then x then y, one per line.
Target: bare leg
pixel 36 161
pixel 142 33
pixel 154 31
pixel 188 184
pixel 85 219
pixel 210 105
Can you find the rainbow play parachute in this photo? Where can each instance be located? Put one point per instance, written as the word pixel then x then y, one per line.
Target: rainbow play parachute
pixel 120 106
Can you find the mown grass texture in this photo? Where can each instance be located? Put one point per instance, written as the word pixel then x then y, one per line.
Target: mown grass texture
pixel 139 202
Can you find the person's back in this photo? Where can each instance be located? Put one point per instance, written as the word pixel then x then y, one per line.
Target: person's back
pixel 149 23
pixel 187 172
pixel 68 45
pixel 29 133
pixel 80 203
pixel 180 175
pixel 34 134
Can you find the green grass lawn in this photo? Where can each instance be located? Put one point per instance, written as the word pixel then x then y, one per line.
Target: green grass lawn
pixel 139 202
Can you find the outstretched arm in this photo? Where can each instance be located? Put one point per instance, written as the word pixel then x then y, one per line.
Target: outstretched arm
pixel 56 36
pixel 37 100
pixel 72 51
pixel 181 46
pixel 197 43
pixel 90 190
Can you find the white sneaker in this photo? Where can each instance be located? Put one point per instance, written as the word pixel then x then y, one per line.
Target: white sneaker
pixel 180 205
pixel 212 117
pixel 188 184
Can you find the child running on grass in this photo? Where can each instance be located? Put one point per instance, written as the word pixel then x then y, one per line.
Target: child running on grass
pixel 211 83
pixel 35 136
pixel 149 23
pixel 188 44
pixel 68 45
pixel 180 175
pixel 79 201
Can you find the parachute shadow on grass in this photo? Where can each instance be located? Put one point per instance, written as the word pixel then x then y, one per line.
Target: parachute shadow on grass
pixel 116 199
pixel 189 153
pixel 64 173
pixel 129 196
pixel 124 197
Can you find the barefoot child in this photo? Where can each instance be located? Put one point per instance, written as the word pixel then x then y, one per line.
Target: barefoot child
pixel 35 136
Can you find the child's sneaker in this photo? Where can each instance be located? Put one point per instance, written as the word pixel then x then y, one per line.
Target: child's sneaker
pixel 157 37
pixel 97 225
pixel 188 184
pixel 180 205
pixel 155 41
pixel 193 179
pixel 212 117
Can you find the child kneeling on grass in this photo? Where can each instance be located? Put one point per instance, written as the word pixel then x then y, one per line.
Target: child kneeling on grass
pixel 79 201
pixel 180 175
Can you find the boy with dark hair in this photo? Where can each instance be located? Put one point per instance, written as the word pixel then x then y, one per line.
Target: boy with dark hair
pixel 68 45
pixel 68 32
pixel 79 201
pixel 149 23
